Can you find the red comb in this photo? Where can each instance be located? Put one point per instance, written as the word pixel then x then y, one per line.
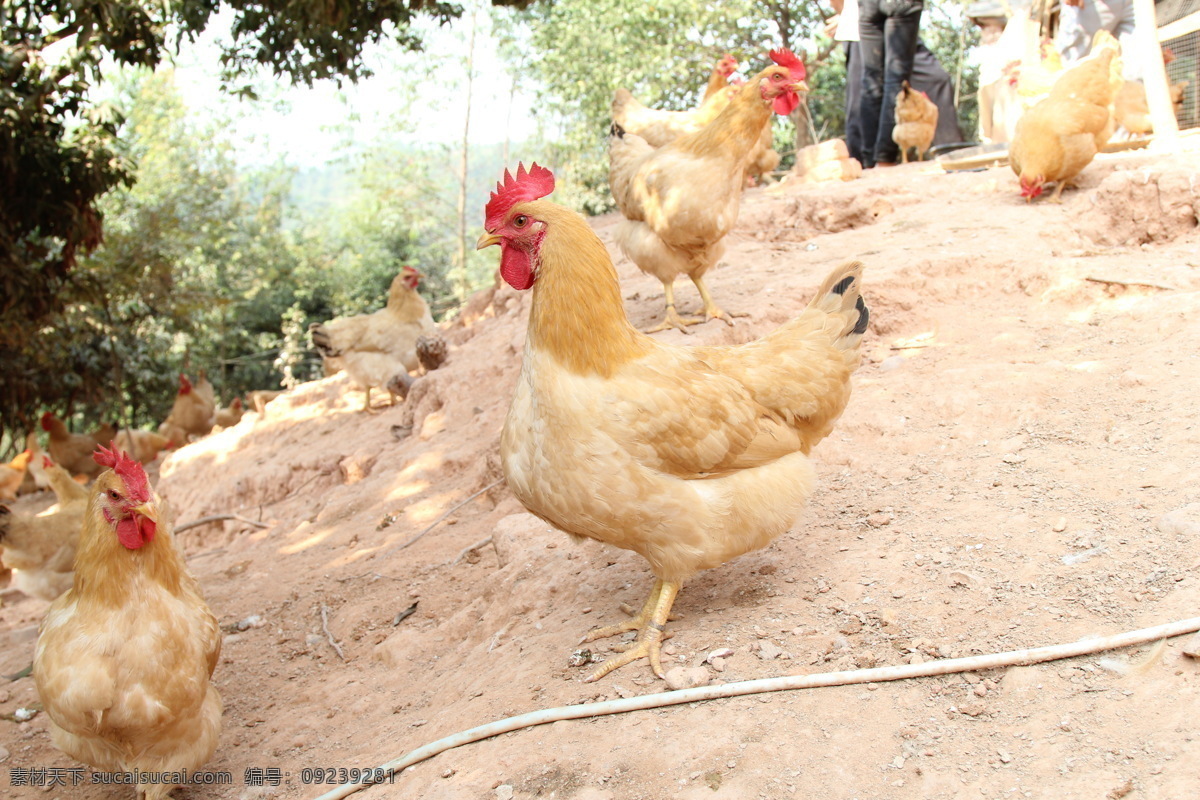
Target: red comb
pixel 46 420
pixel 531 184
pixel 786 58
pixel 137 486
pixel 185 385
pixel 46 462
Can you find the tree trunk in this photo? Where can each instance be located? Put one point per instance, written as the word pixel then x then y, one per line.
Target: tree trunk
pixel 462 282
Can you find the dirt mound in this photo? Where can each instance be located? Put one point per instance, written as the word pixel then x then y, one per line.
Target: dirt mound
pixel 1018 467
pixel 1155 204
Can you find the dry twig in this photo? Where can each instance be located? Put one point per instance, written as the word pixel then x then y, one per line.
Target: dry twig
pixel 196 523
pixel 440 519
pixel 329 634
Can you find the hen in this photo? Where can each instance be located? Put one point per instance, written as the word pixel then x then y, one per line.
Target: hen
pixel 191 413
pixel 40 549
pixel 142 445
pixel 1061 134
pixel 374 348
pixel 12 475
pixel 681 200
pixel 916 122
pixel 660 128
pixel 689 456
pixel 124 659
pixel 72 451
pixel 230 415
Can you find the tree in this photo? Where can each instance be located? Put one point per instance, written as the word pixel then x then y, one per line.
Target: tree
pixel 57 153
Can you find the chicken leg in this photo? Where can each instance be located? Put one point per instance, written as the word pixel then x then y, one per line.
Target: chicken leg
pixel 672 318
pixel 711 309
pixel 650 623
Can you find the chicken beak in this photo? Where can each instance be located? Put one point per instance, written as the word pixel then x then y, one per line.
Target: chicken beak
pixel 147 510
pixel 487 240
pixel 800 86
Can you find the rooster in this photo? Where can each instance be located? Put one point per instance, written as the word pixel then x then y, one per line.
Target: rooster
pixel 689 456
pixel 660 128
pixel 124 659
pixel 375 348
pixel 681 200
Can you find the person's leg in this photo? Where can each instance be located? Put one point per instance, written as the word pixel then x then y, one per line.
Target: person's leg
pixel 929 77
pixel 900 33
pixel 870 47
pixel 854 74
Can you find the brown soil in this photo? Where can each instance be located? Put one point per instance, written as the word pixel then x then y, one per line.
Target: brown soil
pixel 1024 421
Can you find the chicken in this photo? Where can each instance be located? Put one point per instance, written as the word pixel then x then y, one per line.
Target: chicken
pixel 374 348
pixel 431 352
pixel 191 413
pixel 681 200
pixel 104 433
pixel 144 446
pixel 72 451
pixel 35 473
pixel 1131 110
pixel 916 122
pixel 260 397
pixel 124 659
pixel 231 415
pixel 12 475
pixel 1062 133
pixel 660 128
pixel 40 549
pixel 689 456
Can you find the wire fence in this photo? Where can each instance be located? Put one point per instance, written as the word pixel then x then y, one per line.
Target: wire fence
pixel 1179 34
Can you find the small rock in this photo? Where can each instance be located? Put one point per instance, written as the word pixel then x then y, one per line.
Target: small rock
pixel 768 650
pixel 890 363
pixel 720 652
pixel 718 664
pixel 1060 525
pixel 448 772
pixel 898 762
pixel 1182 521
pixel 980 690
pixel 972 709
pixel 687 677
pixel 580 658
pixel 253 621
pixel 3 753
pixel 1191 648
pixel 1013 458
pixel 504 792
pixel 879 519
pixel 5 694
pixel 24 714
pixel 1005 758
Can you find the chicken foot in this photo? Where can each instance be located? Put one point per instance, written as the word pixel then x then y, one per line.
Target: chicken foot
pixel 650 623
pixel 672 318
pixel 711 309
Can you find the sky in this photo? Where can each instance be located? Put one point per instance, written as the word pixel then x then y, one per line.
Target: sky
pixel 308 127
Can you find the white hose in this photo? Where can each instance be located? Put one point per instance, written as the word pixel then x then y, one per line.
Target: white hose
pixel 878 674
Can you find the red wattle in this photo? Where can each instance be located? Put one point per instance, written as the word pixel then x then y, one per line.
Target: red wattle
pixel 135 532
pixel 786 103
pixel 516 269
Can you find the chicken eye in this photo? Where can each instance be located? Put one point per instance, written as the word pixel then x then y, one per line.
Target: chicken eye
pixel 114 494
pixel 521 220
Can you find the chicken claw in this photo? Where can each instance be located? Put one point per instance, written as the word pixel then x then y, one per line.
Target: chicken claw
pixel 672 319
pixel 650 623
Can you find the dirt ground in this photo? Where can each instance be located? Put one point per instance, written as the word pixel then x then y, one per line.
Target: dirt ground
pixel 1019 466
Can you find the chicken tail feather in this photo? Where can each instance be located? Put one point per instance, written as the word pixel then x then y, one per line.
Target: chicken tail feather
pixel 840 296
pixel 321 341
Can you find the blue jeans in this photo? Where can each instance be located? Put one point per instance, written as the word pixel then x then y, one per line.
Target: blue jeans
pixel 887 31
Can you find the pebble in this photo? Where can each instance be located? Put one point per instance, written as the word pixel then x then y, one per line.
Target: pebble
pixel 720 652
pixel 504 792
pixel 1182 521
pixel 1060 525
pixel 878 520
pixel 253 621
pixel 5 694
pixel 687 677
pixel 3 753
pixel 1191 648
pixel 768 650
